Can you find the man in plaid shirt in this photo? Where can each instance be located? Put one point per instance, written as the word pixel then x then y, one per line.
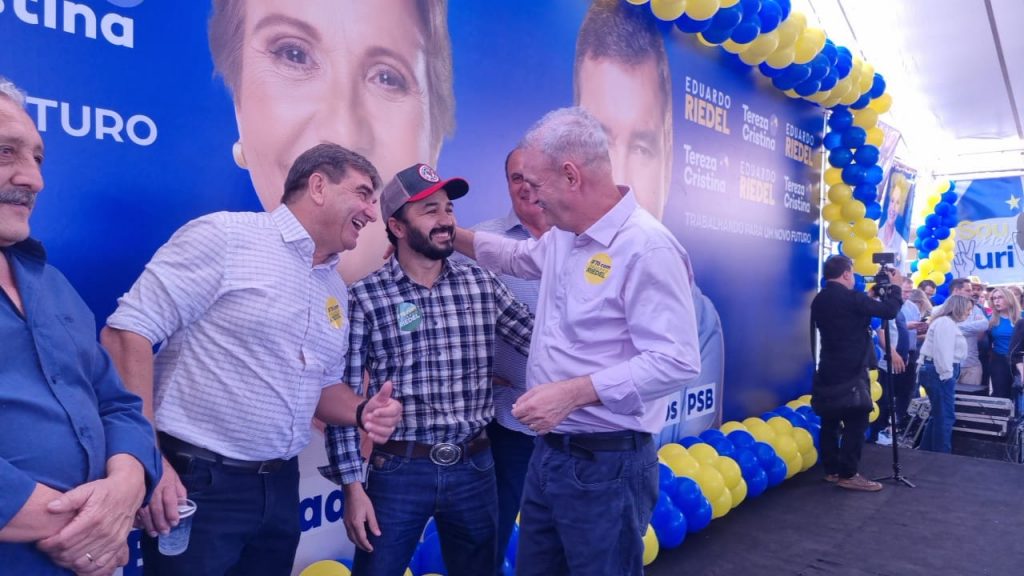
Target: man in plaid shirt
pixel 427 324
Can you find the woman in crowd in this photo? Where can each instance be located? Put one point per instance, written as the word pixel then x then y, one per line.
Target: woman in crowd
pixel 1005 313
pixel 943 349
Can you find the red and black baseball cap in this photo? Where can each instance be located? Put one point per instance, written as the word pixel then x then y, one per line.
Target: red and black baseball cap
pixel 414 184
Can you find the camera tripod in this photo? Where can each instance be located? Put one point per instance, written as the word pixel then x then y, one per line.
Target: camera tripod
pixel 897 473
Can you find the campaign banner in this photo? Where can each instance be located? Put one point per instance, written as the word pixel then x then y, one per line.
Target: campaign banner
pixel 155 113
pixel 897 201
pixel 990 235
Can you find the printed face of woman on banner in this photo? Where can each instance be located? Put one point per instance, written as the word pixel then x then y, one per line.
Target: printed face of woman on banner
pixel 374 77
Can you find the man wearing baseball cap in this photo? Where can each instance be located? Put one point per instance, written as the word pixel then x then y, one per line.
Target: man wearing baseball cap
pixel 427 324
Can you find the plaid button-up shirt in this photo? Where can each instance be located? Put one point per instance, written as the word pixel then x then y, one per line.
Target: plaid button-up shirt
pixel 436 345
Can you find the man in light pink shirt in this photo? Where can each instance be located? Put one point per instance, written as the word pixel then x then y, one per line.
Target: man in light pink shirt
pixel 615 336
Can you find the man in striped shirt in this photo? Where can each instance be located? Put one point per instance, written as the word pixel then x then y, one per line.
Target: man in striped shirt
pixel 428 324
pixel 249 311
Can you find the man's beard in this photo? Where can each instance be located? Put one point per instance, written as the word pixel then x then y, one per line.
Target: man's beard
pixel 18 195
pixel 421 243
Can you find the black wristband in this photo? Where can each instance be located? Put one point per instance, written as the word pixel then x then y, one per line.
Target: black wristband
pixel 359 414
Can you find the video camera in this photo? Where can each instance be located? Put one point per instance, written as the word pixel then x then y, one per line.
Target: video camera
pixel 881 280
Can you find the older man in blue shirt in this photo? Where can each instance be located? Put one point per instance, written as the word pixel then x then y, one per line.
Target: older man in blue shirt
pixel 76 454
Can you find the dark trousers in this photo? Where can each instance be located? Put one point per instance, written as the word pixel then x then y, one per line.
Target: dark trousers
pixel 1002 377
pixel 512 452
pixel 906 388
pixel 587 514
pixel 245 523
pixel 841 448
pixel 886 382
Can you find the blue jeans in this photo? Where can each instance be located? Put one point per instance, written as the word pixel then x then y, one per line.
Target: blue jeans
pixel 245 523
pixel 938 432
pixel 586 516
pixel 512 451
pixel 406 492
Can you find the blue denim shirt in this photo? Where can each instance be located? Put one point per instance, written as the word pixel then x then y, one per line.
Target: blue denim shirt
pixel 63 408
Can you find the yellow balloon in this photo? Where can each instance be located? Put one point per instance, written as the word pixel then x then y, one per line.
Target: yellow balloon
pixel 819 97
pixel 852 96
pixel 728 3
pixel 921 392
pixel 840 231
pixel 881 104
pixel 682 464
pixel 761 47
pixel 866 229
pixel 781 426
pixel 867 77
pixel 705 41
pixel 738 493
pixel 917 278
pixel 832 212
pixel 710 481
pixel 803 439
pixel 875 244
pixel 720 506
pixel 732 426
pixel 782 56
pixel 840 193
pixel 759 430
pixel 938 277
pixel 326 568
pixel 794 464
pixel 651 547
pixel 873 375
pixel 952 233
pixel 734 48
pixel 876 390
pixel 943 186
pixel 671 449
pixel 866 118
pixel 791 28
pixel 794 404
pixel 937 257
pixel 784 446
pixel 874 412
pixel 810 458
pixel 729 470
pixel 638 2
pixel 925 266
pixel 668 9
pixel 809 44
pixel 833 176
pixel 948 245
pixel 805 399
pixel 875 137
pixel 701 9
pixel 853 210
pixel 703 453
pixel 863 264
pixel 853 247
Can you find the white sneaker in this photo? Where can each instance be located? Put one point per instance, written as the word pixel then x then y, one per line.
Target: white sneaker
pixel 884 438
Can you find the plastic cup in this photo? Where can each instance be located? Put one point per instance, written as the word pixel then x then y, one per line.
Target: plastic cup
pixel 175 542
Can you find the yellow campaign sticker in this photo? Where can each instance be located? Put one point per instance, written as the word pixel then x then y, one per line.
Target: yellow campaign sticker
pixel 599 268
pixel 334 314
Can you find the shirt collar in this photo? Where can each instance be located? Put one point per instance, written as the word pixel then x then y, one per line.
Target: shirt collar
pixel 396 273
pixel 604 230
pixel 511 222
pixel 293 232
pixel 29 247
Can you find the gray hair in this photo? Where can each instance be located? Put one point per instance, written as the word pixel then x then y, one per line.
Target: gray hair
pixel 569 134
pixel 958 308
pixel 9 90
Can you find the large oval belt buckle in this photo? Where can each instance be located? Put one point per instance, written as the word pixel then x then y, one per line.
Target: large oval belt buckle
pixel 445 454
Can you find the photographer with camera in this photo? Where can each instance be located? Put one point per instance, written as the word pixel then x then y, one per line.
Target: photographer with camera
pixel 841 393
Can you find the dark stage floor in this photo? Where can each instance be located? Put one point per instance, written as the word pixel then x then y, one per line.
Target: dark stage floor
pixel 966 517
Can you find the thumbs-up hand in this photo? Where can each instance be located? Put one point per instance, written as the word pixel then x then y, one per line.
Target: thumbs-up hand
pixel 381 414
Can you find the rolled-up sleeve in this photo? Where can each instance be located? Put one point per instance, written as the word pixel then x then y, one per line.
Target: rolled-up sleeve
pixel 17 488
pixel 659 311
pixel 519 258
pixel 344 462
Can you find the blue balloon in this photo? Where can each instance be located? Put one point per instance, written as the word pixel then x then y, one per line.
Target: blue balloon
pixel 853 174
pixel 766 416
pixel 924 231
pixel 757 483
pixel 768 71
pixel 722 446
pixel 861 102
pixel 726 19
pixel 786 6
pixel 873 211
pixel 866 193
pixel 791 76
pixel 771 16
pixel 830 52
pixel 747 462
pixel 930 244
pixel 663 509
pixel 700 518
pixel 877 86
pixel 952 186
pixel 428 556
pixel 854 137
pixel 783 410
pixel 830 80
pixel 746 30
pixel 942 232
pixel 686 494
pixel 796 420
pixel 950 221
pixel 832 140
pixel 513 546
pixel 943 208
pixel 866 155
pixel 750 7
pixel 946 280
pixel 819 67
pixel 807 87
pixel 949 197
pixel 741 439
pixel 672 531
pixel 776 472
pixel 858 283
pixel 716 35
pixel 710 434
pixel 873 175
pixel 665 477
pixel 840 120
pixel 938 299
pixel 933 220
pixel 765 453
pixel 430 529
pixel 840 157
pixel 875 324
pixel 913 266
pixel 691 26
pixel 688 441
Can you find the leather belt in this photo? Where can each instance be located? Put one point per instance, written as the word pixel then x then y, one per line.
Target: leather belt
pixel 442 454
pixel 585 445
pixel 171 445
